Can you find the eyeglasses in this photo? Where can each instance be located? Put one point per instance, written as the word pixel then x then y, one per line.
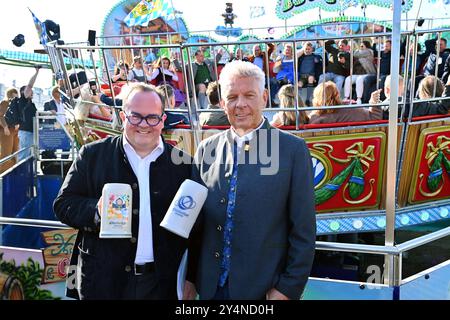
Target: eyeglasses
pixel 136 119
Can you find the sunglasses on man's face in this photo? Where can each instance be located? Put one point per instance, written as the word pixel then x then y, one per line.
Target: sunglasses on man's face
pixel 151 119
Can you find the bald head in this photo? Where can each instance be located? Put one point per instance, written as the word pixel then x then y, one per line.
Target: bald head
pixel 387 86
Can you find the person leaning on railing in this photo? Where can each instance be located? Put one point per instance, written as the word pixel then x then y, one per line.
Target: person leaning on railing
pixel 9 138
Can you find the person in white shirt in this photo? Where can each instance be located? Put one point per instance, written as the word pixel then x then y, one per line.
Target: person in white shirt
pixel 56 106
pixel 144 266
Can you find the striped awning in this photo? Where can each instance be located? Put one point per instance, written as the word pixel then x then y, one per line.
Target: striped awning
pixel 28 59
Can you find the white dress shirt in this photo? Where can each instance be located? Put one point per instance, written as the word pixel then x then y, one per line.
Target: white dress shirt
pixel 141 168
pixel 247 137
pixel 60 109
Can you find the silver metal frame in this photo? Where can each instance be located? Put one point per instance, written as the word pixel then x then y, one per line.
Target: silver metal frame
pixel 391 271
pixel 393 253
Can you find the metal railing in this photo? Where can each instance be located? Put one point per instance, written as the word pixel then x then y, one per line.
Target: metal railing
pixel 395 251
pixel 188 78
pixel 393 258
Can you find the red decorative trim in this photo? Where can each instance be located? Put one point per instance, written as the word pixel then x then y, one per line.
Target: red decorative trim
pixel 435 116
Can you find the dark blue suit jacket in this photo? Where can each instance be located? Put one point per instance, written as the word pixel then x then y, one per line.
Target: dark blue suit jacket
pixel 106 263
pixel 274 216
pixel 51 106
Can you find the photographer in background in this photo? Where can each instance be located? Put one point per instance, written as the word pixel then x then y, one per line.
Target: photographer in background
pixel 27 112
pixel 56 107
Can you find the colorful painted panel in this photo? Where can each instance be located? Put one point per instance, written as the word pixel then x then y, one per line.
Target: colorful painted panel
pixel 431 175
pixel 348 170
pixel 337 26
pixel 287 8
pixel 57 254
pixel 114 27
pixel 21 274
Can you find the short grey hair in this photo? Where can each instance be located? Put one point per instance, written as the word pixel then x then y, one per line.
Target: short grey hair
pixel 241 69
pixel 142 87
pixel 387 81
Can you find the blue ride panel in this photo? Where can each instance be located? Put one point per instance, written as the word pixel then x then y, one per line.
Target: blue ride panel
pixel 17 188
pixel 41 208
pixel 48 187
pixel 53 139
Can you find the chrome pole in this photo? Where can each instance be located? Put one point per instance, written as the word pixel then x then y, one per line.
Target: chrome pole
pixel 391 273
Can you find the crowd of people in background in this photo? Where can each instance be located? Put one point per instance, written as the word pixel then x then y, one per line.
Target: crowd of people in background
pixel 341 72
pixel 355 69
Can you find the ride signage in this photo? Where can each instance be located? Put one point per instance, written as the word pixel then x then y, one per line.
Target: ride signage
pixel 287 8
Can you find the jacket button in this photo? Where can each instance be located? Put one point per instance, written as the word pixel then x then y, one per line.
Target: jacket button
pixel 135 212
pixel 128 268
pixel 133 240
pixel 134 186
pixel 216 254
pixel 219 228
pixel 222 200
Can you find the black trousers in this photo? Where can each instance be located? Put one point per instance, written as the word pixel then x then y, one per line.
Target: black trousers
pixel 222 293
pixel 149 287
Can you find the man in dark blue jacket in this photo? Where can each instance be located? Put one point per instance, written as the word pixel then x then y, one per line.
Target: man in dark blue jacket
pixel 433 60
pixel 144 266
pixel 255 235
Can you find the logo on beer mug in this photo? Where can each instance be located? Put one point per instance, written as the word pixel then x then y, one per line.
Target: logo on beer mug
pixel 186 203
